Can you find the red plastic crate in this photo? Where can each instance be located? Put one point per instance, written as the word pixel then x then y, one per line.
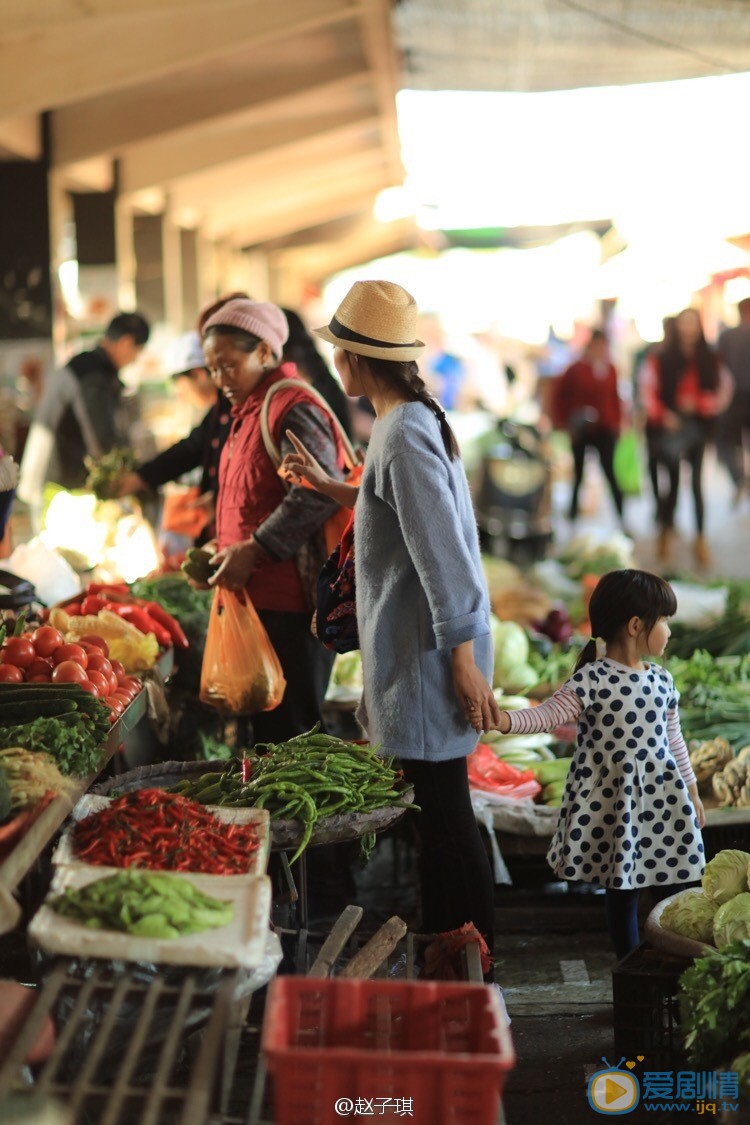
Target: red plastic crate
pixel 447 1047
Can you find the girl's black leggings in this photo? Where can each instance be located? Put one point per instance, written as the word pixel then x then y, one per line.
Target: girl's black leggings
pixel 622 920
pixel 456 877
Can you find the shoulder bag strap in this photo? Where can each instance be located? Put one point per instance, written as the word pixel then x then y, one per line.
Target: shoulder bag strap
pixel 351 458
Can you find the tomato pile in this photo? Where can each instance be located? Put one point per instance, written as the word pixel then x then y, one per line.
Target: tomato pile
pixel 44 657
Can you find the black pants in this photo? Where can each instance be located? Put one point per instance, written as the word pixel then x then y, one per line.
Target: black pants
pixel 307 668
pixel 693 456
pixel 603 441
pixel 457 884
pixel 733 436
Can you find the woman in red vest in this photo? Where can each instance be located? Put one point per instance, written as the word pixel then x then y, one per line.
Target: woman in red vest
pixel 586 403
pixel 270 536
pixel 684 388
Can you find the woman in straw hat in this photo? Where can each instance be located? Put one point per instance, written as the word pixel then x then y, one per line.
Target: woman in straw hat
pixel 422 604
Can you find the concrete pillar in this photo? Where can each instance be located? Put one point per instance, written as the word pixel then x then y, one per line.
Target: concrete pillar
pixel 94 216
pixel 148 242
pixel 190 289
pixel 172 273
pixel 125 250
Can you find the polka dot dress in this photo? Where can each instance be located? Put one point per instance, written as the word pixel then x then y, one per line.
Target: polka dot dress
pixel 627 819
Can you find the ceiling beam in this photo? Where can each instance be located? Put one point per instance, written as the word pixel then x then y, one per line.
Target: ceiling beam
pixel 174 157
pixel 365 240
pixel 219 189
pixel 378 44
pixel 48 66
pixel 355 195
pixel 112 123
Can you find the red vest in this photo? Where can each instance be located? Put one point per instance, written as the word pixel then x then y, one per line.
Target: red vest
pixel 250 488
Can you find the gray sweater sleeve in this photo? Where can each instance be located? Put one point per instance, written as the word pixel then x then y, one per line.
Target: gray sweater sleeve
pixel 418 489
pixel 302 512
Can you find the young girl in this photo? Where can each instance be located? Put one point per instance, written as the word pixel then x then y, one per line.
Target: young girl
pixel 631 815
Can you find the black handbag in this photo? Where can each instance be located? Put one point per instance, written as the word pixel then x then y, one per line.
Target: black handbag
pixel 15 592
pixel 335 621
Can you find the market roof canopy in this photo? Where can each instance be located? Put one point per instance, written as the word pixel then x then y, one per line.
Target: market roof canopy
pixel 255 119
pixel 535 45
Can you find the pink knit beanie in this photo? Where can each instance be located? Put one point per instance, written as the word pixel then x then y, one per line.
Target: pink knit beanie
pixel 260 318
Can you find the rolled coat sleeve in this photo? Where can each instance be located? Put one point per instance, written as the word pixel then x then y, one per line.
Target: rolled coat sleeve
pixel 418 488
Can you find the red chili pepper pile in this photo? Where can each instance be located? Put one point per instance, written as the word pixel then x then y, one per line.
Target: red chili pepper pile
pixel 166 832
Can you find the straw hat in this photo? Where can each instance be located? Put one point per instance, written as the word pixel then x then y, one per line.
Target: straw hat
pixel 376 319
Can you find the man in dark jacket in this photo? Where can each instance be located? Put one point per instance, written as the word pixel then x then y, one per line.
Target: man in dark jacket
pixel 78 414
pixel 202 447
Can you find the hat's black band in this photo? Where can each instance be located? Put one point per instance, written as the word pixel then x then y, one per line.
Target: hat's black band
pixel 343 333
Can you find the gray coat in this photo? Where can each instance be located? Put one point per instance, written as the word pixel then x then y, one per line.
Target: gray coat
pixel 420 588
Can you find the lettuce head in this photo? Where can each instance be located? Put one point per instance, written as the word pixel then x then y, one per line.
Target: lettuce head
pixel 732 921
pixel 691 915
pixel 726 875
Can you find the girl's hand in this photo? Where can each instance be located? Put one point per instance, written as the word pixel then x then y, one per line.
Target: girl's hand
pixel 473 693
pixel 700 812
pixel 503 724
pixel 303 466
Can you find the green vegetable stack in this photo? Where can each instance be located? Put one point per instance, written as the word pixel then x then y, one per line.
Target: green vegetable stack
pixel 310 777
pixel 715 1005
pixel 145 905
pixel 61 720
pixel 197 565
pixel 104 473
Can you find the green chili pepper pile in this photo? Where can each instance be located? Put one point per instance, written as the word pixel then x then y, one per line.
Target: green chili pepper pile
pixel 155 906
pixel 310 777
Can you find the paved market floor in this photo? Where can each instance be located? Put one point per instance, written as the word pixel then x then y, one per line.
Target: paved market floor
pixel 727 525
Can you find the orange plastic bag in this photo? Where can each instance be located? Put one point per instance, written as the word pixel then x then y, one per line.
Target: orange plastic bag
pixel 241 672
pixel 180 514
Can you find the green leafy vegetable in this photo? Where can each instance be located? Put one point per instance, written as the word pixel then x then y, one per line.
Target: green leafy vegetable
pixel 73 741
pixel 715 1005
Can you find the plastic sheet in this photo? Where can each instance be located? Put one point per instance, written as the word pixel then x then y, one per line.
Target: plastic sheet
pixel 207 982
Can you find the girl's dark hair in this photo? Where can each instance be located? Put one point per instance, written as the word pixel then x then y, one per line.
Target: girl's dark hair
pixel 623 594
pixel 673 361
pixel 404 376
pixel 240 339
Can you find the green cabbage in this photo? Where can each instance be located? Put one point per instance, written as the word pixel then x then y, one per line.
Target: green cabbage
pixel 726 875
pixel 690 915
pixel 732 921
pixel 510 642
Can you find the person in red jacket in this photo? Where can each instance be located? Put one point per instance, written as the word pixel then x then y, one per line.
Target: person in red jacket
pixel 684 388
pixel 269 536
pixel 586 403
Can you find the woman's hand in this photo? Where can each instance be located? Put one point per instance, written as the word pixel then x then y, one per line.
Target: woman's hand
pixel 473 693
pixel 671 421
pixel 303 466
pixel 236 564
pixel 130 484
pixel 700 812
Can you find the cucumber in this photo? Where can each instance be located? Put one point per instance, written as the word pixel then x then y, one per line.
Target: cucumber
pixel 15 714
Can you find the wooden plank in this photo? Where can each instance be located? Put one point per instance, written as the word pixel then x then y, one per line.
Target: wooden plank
pixel 371 956
pixel 336 940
